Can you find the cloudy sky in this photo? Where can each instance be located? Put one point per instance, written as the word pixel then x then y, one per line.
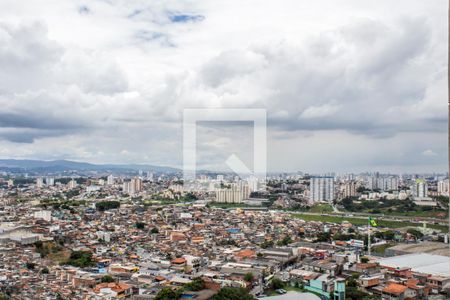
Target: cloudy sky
pixel 348 85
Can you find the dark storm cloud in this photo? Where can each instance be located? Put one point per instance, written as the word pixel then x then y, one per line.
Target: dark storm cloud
pixel 30 120
pixel 29 135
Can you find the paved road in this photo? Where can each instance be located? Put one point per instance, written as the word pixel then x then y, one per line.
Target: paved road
pixel 381 217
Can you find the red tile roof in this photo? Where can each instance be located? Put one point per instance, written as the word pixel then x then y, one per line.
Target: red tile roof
pixel 178 261
pixel 395 289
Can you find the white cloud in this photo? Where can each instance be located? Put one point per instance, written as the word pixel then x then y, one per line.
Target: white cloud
pixel 325 110
pixel 104 74
pixel 429 152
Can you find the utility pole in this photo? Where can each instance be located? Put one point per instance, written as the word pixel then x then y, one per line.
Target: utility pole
pixel 368 236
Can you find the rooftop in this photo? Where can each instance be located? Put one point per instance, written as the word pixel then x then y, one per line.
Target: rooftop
pixel 395 289
pixel 437 265
pixel 425 247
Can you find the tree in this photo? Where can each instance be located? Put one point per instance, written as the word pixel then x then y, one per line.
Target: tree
pixel 389 235
pixel 249 277
pixel 352 292
pixel 364 260
pixel 30 265
pixel 348 203
pixel 285 241
pixel 59 297
pixel 3 297
pixel 107 278
pixel 266 244
pixel 44 271
pixel 154 230
pixel 229 293
pixel 323 237
pixel 140 225
pixel 196 285
pixel 80 259
pixel 416 233
pixel 277 283
pixel 105 205
pixel 41 248
pixel 190 197
pixel 168 294
pixel 361 189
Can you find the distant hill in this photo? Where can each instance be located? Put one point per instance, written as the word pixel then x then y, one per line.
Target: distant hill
pixel 67 165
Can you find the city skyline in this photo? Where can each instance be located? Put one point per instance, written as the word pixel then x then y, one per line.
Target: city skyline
pixel 358 87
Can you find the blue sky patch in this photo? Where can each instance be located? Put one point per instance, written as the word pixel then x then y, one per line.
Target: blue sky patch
pixel 83 10
pixel 184 18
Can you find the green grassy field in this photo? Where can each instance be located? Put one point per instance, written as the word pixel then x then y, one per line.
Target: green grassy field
pixel 380 249
pixel 321 208
pixel 363 221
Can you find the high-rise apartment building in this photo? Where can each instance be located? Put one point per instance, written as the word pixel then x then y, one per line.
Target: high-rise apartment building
pixel 383 183
pixel 391 183
pixel 442 187
pixel 150 176
pixel 72 184
pixel 252 183
pixel 110 180
pixel 133 186
pixel 136 184
pixel 50 181
pixel 419 189
pixel 349 189
pixel 236 194
pixel 321 188
pixel 39 182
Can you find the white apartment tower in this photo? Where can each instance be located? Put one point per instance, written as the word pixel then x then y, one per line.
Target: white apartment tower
pixel 110 180
pixel 50 181
pixel 377 182
pixel 443 187
pixel 252 183
pixel 39 182
pixel 150 176
pixel 391 183
pixel 321 189
pixel 419 189
pixel 72 184
pixel 235 194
